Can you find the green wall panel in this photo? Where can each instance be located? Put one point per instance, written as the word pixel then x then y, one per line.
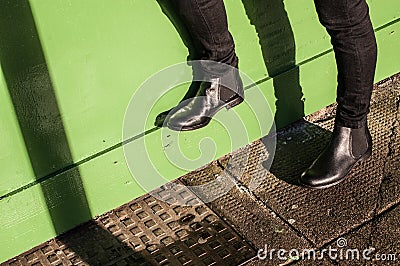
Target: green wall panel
pixel 97 61
pixel 95 54
pixel 14 162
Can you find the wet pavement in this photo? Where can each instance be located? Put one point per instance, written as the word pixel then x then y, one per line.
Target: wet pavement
pixel 263 212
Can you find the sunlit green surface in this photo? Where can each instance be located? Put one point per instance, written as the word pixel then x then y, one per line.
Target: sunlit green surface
pixel 98 53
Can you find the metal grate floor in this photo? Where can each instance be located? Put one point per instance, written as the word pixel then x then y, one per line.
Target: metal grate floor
pixel 322 215
pixel 146 231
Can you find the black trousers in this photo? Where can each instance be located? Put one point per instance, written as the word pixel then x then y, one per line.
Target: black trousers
pixel 352 36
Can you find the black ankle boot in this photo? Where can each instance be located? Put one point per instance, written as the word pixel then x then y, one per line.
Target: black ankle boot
pixel 193 90
pixel 190 93
pixel 214 94
pixel 347 147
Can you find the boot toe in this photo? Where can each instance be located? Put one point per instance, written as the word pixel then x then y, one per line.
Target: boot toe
pixel 179 122
pixel 310 179
pixel 313 179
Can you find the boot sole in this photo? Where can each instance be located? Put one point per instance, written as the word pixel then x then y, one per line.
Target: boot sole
pixel 228 105
pixel 362 159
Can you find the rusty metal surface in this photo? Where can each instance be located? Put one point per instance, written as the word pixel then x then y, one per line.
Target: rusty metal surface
pixel 146 231
pixel 322 215
pixel 257 262
pixel 381 236
pixel 250 218
pixel 390 187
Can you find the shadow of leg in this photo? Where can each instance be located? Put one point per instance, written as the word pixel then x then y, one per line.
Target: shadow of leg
pixel 296 148
pixel 278 47
pixel 279 50
pixel 289 102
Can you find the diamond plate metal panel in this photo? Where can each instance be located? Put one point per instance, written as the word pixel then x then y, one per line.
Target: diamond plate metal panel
pixel 321 215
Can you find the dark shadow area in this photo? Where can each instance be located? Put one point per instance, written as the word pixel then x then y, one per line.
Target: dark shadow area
pixel 297 146
pixel 96 246
pixel 35 104
pixel 299 143
pixel 279 52
pixel 169 10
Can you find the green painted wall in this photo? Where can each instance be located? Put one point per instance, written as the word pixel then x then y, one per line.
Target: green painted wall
pixel 70 67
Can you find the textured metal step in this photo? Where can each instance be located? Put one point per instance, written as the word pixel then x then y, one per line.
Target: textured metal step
pixel 146 231
pixel 322 215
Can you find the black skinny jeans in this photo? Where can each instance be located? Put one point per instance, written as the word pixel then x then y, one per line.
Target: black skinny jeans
pixel 352 36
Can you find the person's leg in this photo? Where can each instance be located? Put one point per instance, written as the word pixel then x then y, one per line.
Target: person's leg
pixel 352 36
pixel 221 86
pixel 207 23
pixel 353 41
pixel 169 9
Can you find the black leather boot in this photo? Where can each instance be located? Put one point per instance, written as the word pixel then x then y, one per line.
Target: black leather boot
pixel 193 90
pixel 190 93
pixel 215 93
pixel 347 147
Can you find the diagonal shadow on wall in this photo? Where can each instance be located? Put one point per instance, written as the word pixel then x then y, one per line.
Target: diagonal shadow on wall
pixel 35 104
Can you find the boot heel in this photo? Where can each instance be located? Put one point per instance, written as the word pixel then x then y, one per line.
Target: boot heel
pixel 235 101
pixel 366 156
